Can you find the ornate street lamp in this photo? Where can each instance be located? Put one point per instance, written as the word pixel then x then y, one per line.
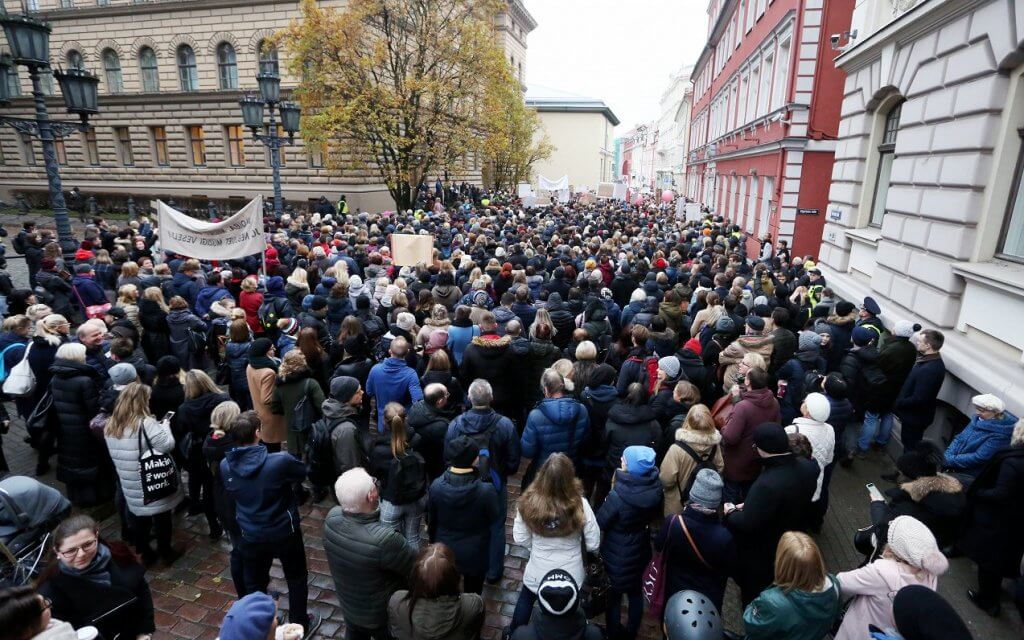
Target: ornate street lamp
pixel 253 107
pixel 29 41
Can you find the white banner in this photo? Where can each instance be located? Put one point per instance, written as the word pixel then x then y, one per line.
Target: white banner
pixel 553 185
pixel 238 236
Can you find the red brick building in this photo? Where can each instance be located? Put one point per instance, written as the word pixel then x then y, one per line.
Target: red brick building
pixel 767 98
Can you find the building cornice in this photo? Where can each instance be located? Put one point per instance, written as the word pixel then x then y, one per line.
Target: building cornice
pixel 602 109
pixel 56 102
pixel 164 6
pixel 714 36
pixel 521 14
pixel 921 19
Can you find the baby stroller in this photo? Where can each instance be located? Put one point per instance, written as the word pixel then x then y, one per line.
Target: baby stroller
pixel 29 510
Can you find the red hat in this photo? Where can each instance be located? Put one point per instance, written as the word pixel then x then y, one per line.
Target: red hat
pixel 693 344
pixel 271 252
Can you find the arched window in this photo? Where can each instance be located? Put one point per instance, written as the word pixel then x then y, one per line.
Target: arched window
pixel 148 68
pixel 268 57
pixel 112 71
pixel 75 60
pixel 886 152
pixel 187 73
pixel 227 66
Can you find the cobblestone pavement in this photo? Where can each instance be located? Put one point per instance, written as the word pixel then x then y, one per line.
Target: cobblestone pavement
pixel 192 596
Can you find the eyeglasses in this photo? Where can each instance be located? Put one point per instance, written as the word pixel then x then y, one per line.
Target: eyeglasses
pixel 68 554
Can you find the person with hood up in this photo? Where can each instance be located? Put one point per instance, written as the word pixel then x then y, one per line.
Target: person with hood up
pixel 187 333
pixel 462 510
pixel 276 305
pixel 598 397
pixel 393 380
pixel 670 309
pixel 555 524
pixel 562 320
pixel 623 285
pixel 496 434
pixel 489 356
pixel 558 424
pixel 559 616
pixel 260 485
pixel 696 443
pixel 803 601
pixel 779 500
pixel 754 405
pixel 434 608
pixel 988 432
pixel 261 374
pixel 625 546
pixel 911 557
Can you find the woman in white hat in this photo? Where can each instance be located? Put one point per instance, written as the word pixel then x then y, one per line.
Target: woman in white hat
pixel 911 557
pixel 989 431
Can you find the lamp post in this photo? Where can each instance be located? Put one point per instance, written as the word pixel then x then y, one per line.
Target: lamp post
pixel 29 41
pixel 253 105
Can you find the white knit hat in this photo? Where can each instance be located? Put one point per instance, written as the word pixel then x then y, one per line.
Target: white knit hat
pixel 915 544
pixel 988 402
pixel 818 407
pixel 905 328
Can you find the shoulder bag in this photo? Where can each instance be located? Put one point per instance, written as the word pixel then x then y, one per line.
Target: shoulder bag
pixel 157 471
pixel 22 381
pixel 654 580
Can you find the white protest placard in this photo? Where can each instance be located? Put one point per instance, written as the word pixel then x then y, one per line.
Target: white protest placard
pixel 239 236
pixel 553 185
pixel 524 189
pixel 409 250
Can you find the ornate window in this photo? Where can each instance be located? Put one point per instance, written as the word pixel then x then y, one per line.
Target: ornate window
pixel 149 70
pixel 886 152
pixel 268 57
pixel 112 71
pixel 187 72
pixel 92 148
pixel 227 66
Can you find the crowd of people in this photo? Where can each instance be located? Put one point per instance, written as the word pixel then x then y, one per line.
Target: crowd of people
pixel 658 412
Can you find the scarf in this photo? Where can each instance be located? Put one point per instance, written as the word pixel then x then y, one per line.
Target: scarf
pixel 926 358
pixel 264 362
pixel 97 572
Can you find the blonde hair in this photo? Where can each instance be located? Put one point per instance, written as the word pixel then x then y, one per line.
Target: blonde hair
pixel 39 311
pixel 129 270
pixel 19 322
pixel 130 409
pixel 754 360
pixel 128 293
pixel 698 418
pixel 197 383
pixel 223 414
pixel 586 350
pixel 74 351
pixel 394 419
pixel 798 563
pixel 250 283
pixel 1017 438
pixel 299 277
pixel 154 294
pixel 293 361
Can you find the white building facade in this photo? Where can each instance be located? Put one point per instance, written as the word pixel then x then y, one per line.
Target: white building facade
pixel 926 208
pixel 674 130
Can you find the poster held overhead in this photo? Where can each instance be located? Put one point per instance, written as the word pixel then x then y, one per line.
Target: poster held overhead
pixel 409 250
pixel 553 185
pixel 239 236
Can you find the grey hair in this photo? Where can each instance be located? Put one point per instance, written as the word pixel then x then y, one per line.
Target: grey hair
pixel 74 351
pixel 552 382
pixel 480 393
pixel 513 328
pixel 352 488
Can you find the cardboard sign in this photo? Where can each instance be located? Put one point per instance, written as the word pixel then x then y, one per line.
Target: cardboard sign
pixel 409 250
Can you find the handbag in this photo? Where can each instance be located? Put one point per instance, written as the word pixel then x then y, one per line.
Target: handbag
pixel 36 422
pixel 654 582
pixel 721 411
pixel 158 474
pixel 93 310
pixel 594 594
pixel 22 380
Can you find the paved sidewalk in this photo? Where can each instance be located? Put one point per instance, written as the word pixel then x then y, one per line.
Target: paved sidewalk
pixel 192 596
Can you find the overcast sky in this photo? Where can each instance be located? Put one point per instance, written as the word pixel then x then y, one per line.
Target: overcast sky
pixel 620 52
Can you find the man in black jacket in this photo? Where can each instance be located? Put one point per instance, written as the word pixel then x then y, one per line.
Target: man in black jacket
pixel 778 501
pixel 489 357
pixel 915 406
pixel 369 562
pixel 429 419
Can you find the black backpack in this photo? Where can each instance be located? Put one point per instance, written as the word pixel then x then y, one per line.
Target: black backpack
pixel 320 454
pixel 304 413
pixel 705 462
pixel 873 378
pixel 19 243
pixel 407 479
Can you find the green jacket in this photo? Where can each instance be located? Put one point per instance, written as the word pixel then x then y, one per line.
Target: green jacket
pixel 793 615
pixel 292 388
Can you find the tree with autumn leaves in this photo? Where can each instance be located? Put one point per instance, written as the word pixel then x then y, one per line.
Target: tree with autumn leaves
pixel 409 89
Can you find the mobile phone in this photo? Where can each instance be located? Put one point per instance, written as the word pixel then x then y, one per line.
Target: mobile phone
pixel 167 416
pixel 870 486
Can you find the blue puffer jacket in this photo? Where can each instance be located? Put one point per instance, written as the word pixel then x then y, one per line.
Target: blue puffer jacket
pixel 237 355
pixel 978 442
pixel 624 516
pixel 631 310
pixel 502 443
pixel 555 425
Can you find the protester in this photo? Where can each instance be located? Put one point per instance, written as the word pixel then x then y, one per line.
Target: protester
pixel 695 446
pixel 261 374
pixel 558 424
pixel 558 614
pixel 194 415
pixel 434 607
pixel 393 381
pixel 218 442
pixel 988 432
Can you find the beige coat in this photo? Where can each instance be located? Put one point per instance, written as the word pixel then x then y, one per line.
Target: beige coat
pixel 261 387
pixel 678 465
pixel 733 354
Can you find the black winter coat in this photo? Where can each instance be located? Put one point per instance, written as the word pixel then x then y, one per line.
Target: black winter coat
pixel 896 359
pixel 167 395
pixel 156 335
pixel 629 425
pixel 491 358
pixel 125 607
pixel 193 417
pixel 778 501
pixel 634 501
pixel 215 448
pixel 431 425
pixel 40 359
pixel 683 569
pixel 544 626
pixel 915 405
pixel 369 562
pixel 82 459
pixel 852 367
pixel 693 369
pixel 543 354
pixel 937 501
pixel 995 537
pixel 460 512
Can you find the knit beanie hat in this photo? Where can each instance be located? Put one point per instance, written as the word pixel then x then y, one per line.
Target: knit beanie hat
pixel 639 459
pixel 406 321
pixel 461 452
pixel 168 366
pixel 922 460
pixel 355 346
pixel 835 386
pixel 818 407
pixel 292 327
pixel 558 593
pixel 437 340
pixel 318 303
pixel 343 388
pixel 260 347
pixel 250 618
pixel 604 374
pixel 707 489
pixel 123 373
pixel 725 325
pixel 362 302
pixel 670 365
pixel 844 308
pixel 809 341
pixel 914 543
pixel 770 437
pixel 862 336
pixel 355 286
pixel 905 328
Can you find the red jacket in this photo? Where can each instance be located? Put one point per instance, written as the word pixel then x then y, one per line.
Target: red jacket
pixel 755 407
pixel 250 302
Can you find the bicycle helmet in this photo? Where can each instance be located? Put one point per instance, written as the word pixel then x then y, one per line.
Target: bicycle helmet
pixel 690 615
